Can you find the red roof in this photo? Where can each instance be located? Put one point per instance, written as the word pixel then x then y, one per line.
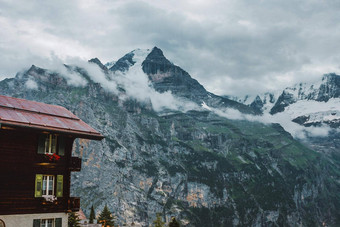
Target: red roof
pixel 81 215
pixel 24 113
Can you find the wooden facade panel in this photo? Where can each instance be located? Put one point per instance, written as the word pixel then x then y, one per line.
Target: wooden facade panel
pixel 16 150
pixel 32 205
pixel 20 162
pixel 16 184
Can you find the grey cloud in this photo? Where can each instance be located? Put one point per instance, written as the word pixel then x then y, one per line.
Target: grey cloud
pixel 296 130
pixel 231 47
pixel 275 46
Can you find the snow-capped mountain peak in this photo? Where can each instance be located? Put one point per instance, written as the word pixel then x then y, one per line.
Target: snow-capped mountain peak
pixel 129 59
pixel 304 103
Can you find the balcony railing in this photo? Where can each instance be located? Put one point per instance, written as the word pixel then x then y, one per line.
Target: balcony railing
pixel 45 205
pixel 73 204
pixel 14 205
pixel 75 164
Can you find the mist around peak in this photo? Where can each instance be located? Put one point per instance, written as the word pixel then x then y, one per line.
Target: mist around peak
pixel 131 81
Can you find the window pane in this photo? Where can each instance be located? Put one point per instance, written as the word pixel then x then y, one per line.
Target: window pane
pixel 47 222
pixel 47 142
pixel 50 185
pixel 50 223
pixel 54 143
pixel 44 191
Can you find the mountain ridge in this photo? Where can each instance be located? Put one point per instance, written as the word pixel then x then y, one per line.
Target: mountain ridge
pixel 296 98
pixel 204 169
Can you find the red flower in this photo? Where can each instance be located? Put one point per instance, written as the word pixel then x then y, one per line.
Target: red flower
pixel 52 157
pixel 56 157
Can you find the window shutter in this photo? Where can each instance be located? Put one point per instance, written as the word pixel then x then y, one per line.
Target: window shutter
pixel 61 143
pixel 58 222
pixel 41 144
pixel 60 179
pixel 38 185
pixel 36 222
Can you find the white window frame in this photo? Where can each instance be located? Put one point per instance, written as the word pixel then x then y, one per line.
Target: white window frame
pixel 46 180
pixel 51 144
pixel 44 222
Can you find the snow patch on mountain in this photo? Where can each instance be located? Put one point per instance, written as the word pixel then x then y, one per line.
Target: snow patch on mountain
pixel 319 110
pixel 315 105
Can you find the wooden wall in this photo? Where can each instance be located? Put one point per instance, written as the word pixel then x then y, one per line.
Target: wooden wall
pixel 19 163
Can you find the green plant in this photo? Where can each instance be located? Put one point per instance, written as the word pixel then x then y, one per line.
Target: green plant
pixel 158 222
pixel 106 217
pixel 73 220
pixel 174 222
pixel 92 215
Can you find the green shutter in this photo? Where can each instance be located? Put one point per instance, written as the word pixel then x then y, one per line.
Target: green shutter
pixel 38 185
pixel 58 222
pixel 61 145
pixel 36 222
pixel 60 179
pixel 41 144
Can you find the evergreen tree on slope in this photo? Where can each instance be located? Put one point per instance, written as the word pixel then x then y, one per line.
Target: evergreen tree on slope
pixel 105 217
pixel 73 220
pixel 92 215
pixel 158 222
pixel 174 222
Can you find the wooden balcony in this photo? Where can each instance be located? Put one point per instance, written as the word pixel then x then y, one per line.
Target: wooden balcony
pixel 73 204
pixel 31 205
pixel 75 164
pixel 38 205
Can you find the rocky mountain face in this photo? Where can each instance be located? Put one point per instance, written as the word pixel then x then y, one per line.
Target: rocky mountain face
pixel 204 169
pixel 309 104
pixel 328 88
pixel 165 76
pixel 99 63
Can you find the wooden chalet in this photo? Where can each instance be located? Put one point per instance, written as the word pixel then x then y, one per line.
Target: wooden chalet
pixel 36 162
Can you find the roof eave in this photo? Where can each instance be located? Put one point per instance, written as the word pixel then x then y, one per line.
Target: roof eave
pixel 74 133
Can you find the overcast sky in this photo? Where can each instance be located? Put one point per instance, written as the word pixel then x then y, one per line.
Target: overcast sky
pixel 232 47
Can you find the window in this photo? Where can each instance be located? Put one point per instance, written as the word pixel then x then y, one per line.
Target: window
pixel 47 223
pixel 47 185
pixel 51 144
pixel 47 144
pixel 51 222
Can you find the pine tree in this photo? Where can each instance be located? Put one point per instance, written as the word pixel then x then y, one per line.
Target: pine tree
pixel 92 215
pixel 174 222
pixel 159 222
pixel 73 220
pixel 105 217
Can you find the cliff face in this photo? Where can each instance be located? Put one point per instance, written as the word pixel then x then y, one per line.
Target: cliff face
pixel 165 76
pixel 202 168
